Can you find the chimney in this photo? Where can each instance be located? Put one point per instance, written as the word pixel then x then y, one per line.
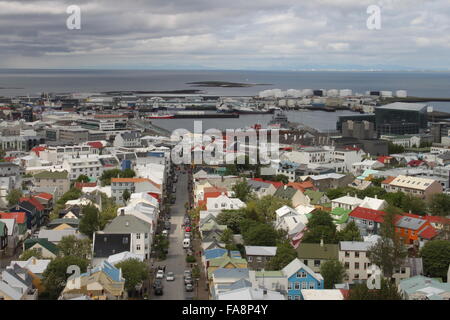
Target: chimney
pixel 376 197
pixel 127 223
pixel 265 291
pixel 321 242
pixel 122 212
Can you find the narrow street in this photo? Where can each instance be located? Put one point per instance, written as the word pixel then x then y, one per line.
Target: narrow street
pixel 176 258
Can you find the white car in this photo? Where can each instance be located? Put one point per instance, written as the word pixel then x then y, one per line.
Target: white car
pixel 165 233
pixel 170 276
pixel 160 274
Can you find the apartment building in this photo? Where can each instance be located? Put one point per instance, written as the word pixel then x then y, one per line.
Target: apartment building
pixel 353 255
pixel 133 185
pixel 88 165
pixel 48 179
pixel 57 154
pixel 417 186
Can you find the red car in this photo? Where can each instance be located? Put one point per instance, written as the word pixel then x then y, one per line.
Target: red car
pixel 188 229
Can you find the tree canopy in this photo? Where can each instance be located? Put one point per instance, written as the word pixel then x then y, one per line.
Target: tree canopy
pixel 285 254
pixel 27 254
pixel 55 276
pixel 71 246
pixel 320 226
pixel 232 219
pixel 134 272
pixel 107 175
pixel 388 291
pixel 242 190
pixel 90 222
pixel 349 233
pixel 436 258
pixel 14 196
pixel 440 204
pixel 333 272
pixel 259 234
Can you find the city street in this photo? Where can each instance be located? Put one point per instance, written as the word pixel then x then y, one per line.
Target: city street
pixel 176 258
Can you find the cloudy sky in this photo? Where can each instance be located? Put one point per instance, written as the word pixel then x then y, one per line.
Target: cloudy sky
pixel 232 34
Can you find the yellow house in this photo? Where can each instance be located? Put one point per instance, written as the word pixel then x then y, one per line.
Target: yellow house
pixel 226 263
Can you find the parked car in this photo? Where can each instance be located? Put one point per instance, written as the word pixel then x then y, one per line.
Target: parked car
pixel 188 279
pixel 158 289
pixel 167 225
pixel 189 287
pixel 187 235
pixel 173 200
pixel 160 274
pixel 187 273
pixel 187 229
pixel 157 283
pixel 165 233
pixel 170 276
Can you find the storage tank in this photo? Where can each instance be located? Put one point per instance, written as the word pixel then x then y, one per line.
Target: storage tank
pixel 345 92
pixel 386 94
pixel 401 93
pixel 333 93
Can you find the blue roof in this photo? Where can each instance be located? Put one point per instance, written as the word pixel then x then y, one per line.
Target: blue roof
pixel 238 273
pixel 214 253
pixel 235 254
pixel 112 272
pixel 156 154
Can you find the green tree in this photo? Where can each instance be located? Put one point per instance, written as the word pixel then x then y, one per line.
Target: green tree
pixel 232 219
pixel 436 258
pixel 14 196
pixel 227 238
pixel 72 246
pixel 82 178
pixel 108 213
pixel 106 176
pixel 414 204
pixel 128 173
pixel 90 221
pixel 395 148
pixel 349 233
pixel 389 252
pixel 320 226
pixel 388 291
pixel 27 254
pixel 333 272
pixel 260 234
pixel 340 192
pixel 440 204
pixel 231 170
pixel 372 192
pixel 126 196
pixel 242 190
pixel 264 209
pixel 134 272
pixel 377 181
pixel 72 194
pixel 394 199
pixel 55 276
pixel 285 254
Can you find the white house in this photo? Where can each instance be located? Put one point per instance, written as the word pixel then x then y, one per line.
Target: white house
pixel 224 202
pixel 346 202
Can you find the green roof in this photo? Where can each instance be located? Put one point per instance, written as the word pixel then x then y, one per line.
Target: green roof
pixel 57 222
pixel 342 219
pixel 340 211
pixel 315 196
pixel 316 251
pixel 51 175
pixel 43 242
pixel 2 229
pixel 286 193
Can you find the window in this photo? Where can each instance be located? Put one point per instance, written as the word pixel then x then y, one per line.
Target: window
pixel 356 275
pixel 138 235
pixel 297 298
pixel 304 285
pixel 356 265
pixel 356 254
pixel 249 258
pixel 297 285
pixel 347 265
pixel 290 298
pixel 125 240
pixel 138 247
pixel 301 274
pixel 258 259
pixel 305 262
pixel 316 263
pixel 347 254
pixel 290 286
pixel 146 235
pixel 311 285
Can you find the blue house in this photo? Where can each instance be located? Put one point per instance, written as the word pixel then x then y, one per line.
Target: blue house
pixel 301 277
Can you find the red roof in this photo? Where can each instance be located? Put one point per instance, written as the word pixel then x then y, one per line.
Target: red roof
pixel 352 148
pixel 437 219
pixel 415 163
pixel 388 180
pixel 44 195
pixel 19 216
pixel 81 185
pixel 428 233
pixel 383 159
pixel 9 159
pixel 302 186
pixel 276 184
pixel 37 150
pixel 368 214
pixel 34 202
pixel 96 144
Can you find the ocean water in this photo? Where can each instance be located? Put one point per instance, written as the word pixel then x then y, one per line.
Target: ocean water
pixel 26 81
